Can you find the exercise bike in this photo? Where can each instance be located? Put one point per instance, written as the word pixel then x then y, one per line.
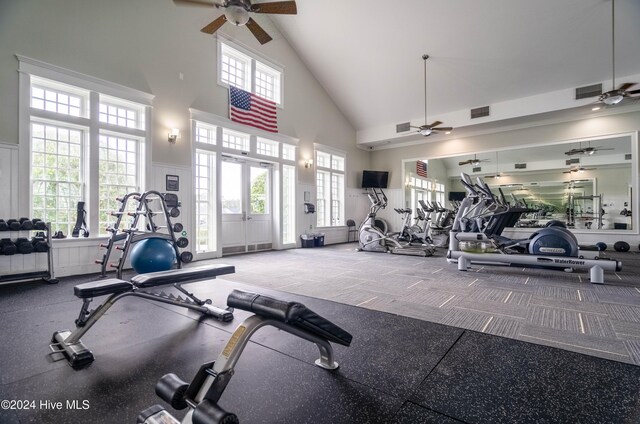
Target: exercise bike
pixel 487 216
pixel 372 238
pixel 414 233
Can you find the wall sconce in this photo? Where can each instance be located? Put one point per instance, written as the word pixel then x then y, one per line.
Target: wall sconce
pixel 308 163
pixel 173 135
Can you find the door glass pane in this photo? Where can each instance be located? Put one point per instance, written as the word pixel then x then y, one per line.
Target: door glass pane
pixel 259 189
pixel 231 187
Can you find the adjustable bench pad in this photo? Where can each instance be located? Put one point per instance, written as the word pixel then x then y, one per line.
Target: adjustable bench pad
pixel 101 288
pixel 183 275
pixel 292 313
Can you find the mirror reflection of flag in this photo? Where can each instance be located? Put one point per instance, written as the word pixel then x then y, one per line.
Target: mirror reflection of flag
pixel 421 168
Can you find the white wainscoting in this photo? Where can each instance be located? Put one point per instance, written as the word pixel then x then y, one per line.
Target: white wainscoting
pixel 9 181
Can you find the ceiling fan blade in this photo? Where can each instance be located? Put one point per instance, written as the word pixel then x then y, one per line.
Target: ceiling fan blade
pixel 633 92
pixel 257 31
pixel 201 3
pixel 604 148
pixel 574 152
pixel 214 25
pixel 464 162
pixel 442 129
pixel 435 124
pixel 276 7
pixel 626 86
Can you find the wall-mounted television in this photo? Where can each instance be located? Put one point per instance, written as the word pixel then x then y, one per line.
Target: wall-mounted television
pixel 457 195
pixel 375 179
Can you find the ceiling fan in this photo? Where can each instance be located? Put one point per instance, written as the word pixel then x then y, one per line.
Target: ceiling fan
pixel 427 130
pixel 498 174
pixel 475 161
pixel 586 150
pixel 237 12
pixel 578 169
pixel 615 95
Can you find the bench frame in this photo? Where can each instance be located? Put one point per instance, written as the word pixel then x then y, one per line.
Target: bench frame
pixel 206 388
pixel 69 345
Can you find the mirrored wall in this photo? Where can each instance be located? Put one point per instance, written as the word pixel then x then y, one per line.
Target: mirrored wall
pixel 587 184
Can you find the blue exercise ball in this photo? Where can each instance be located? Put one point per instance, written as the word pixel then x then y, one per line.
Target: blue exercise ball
pixel 151 255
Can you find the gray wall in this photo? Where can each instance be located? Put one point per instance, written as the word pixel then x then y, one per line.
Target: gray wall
pixel 145 44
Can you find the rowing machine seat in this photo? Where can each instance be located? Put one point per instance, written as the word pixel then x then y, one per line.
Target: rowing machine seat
pixel 183 275
pixel 292 313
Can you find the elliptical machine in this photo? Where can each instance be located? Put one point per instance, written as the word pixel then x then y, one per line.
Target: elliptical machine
pixel 482 218
pixel 372 238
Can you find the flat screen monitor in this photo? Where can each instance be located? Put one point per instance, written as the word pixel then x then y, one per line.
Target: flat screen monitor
pixel 457 195
pixel 375 179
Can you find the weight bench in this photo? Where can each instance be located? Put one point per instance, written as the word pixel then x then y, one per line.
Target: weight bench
pixel 207 386
pixel 68 343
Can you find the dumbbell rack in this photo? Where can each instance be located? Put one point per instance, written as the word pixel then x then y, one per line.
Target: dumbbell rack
pixel 133 234
pixel 48 275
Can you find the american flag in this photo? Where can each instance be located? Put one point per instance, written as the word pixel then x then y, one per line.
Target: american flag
pixel 249 109
pixel 421 168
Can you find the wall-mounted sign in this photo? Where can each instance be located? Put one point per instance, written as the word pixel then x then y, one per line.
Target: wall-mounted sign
pixel 173 183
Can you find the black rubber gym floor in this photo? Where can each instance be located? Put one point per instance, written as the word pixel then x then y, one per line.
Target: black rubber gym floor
pixel 397 370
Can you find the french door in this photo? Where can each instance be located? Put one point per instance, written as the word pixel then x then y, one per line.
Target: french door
pixel 247 206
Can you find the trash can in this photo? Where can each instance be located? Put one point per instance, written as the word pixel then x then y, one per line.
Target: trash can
pixel 307 240
pixel 318 240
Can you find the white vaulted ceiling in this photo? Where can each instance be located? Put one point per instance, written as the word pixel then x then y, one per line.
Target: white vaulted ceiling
pixel 367 55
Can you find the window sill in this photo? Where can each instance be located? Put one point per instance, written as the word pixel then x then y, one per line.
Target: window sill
pixel 78 241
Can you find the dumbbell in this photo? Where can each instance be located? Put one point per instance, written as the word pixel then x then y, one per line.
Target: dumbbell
pixel 26 224
pixel 7 247
pixel 14 224
pixel 3 225
pixel 177 228
pixel 24 246
pixel 39 244
pixel 182 242
pixel 39 224
pixel 186 257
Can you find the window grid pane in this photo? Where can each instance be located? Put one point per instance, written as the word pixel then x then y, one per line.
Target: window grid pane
pixel 235 141
pixel 205 134
pixel 117 176
pixel 205 224
pixel 323 199
pixel 288 152
pixel 120 116
pixel 267 147
pixel 265 85
pixel 56 175
pixel 55 101
pixel 234 71
pixel 288 203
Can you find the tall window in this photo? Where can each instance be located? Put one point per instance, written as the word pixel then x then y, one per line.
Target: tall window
pixel 241 68
pixel 69 140
pixel 330 188
pixel 205 201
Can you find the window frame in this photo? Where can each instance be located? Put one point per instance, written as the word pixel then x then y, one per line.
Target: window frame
pixel 256 61
pixel 92 90
pixel 331 172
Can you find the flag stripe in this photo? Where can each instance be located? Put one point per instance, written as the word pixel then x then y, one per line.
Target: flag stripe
pixel 421 168
pixel 249 109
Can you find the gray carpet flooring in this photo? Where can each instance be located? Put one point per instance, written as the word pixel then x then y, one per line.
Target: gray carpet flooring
pixel 547 307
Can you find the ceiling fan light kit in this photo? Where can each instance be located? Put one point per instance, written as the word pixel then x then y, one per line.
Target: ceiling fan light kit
pixel 615 95
pixel 237 15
